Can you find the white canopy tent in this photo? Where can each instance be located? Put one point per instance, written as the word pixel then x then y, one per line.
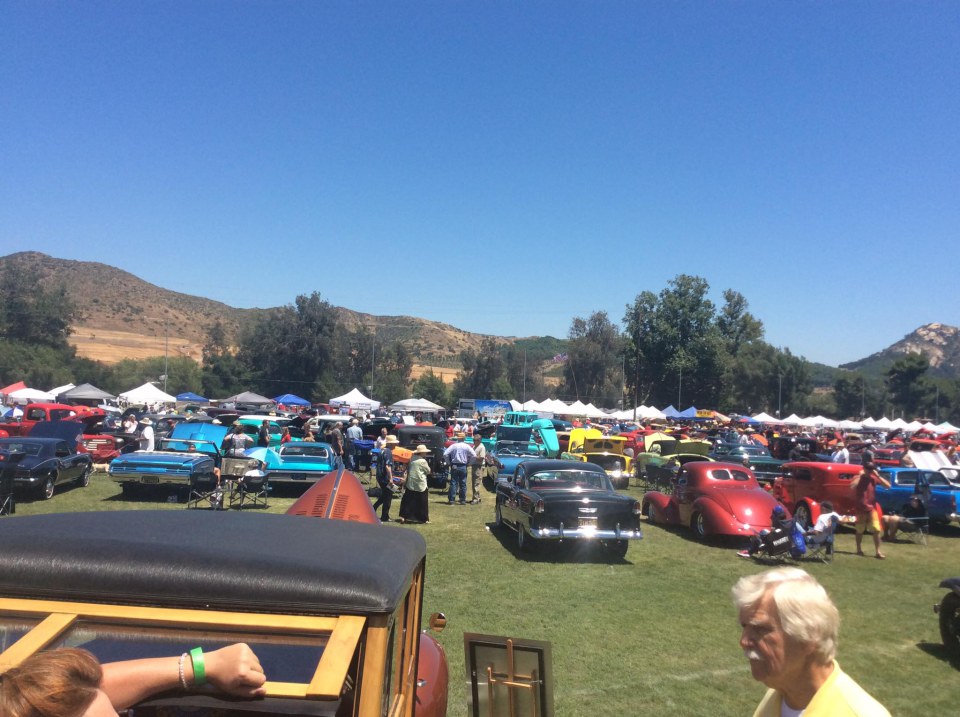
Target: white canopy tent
pixel 355 399
pixel 415 404
pixel 793 420
pixel 765 418
pixel 26 395
pixel 147 393
pixel 62 389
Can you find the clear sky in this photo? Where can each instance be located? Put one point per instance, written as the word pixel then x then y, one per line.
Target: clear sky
pixel 499 166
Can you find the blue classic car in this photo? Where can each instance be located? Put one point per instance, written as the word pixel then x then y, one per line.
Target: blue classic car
pixel 297 461
pixel 47 458
pixel 940 498
pixel 509 454
pixel 190 454
pixel 556 500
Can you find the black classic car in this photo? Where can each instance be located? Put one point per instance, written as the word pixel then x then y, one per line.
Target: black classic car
pixel 558 500
pixel 948 610
pixel 433 438
pixel 49 458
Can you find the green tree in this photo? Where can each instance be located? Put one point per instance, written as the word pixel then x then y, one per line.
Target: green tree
pixel 393 373
pixel 481 369
pixel 849 393
pixel 910 388
pixel 34 314
pixel 431 387
pixel 593 368
pixel 221 374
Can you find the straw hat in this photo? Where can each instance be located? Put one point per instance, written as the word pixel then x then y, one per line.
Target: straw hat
pixel 392 440
pixel 145 421
pixel 422 450
pixel 461 435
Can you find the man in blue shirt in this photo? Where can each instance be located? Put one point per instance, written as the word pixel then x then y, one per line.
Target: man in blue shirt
pixel 458 456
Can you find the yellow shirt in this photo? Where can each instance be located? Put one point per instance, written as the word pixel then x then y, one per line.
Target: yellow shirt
pixel 839 696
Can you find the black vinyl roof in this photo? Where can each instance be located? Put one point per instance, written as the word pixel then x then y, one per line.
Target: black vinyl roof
pixel 209 559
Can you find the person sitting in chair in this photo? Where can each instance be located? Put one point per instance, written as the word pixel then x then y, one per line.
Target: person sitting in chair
pixel 825 525
pixel 778 521
pixel 913 508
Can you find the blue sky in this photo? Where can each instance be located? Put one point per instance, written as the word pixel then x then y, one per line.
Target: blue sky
pixel 499 166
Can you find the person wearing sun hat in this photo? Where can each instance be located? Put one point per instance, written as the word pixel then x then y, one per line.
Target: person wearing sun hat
pixel 146 441
pixel 414 505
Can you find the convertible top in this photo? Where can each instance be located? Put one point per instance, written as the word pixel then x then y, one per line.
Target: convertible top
pixel 211 560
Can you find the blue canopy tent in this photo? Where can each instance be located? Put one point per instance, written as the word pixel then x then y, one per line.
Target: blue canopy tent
pixel 688 413
pixel 671 412
pixel 289 399
pixel 191 397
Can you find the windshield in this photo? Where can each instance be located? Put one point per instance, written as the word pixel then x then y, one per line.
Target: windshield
pixel 306 450
pixel 31 449
pixel 570 479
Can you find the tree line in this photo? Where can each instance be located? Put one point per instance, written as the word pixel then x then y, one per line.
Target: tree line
pixel 675 347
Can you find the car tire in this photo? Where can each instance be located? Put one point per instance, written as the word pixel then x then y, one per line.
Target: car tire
pixel 497 518
pixel 801 516
pixel 618 548
pixel 699 525
pixel 523 542
pixel 48 488
pixel 84 480
pixel 950 623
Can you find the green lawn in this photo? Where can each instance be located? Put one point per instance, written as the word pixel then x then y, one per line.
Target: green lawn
pixel 655 634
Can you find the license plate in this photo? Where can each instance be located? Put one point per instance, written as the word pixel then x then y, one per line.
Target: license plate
pixel 151 479
pixel 298 476
pixel 587 522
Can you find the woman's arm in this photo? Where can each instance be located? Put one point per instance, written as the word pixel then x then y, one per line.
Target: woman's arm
pixel 233 669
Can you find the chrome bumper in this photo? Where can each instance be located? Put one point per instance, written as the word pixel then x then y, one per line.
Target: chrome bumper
pixel 585 533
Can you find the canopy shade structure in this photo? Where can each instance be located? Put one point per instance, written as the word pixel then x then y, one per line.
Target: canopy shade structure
pixel 355 399
pixel 85 392
pixel 147 393
pixel 191 397
pixel 765 418
pixel 248 397
pixel 29 394
pixel 415 404
pixel 18 386
pixel 290 399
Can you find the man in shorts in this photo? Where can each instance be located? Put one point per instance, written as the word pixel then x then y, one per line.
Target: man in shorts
pixel 865 488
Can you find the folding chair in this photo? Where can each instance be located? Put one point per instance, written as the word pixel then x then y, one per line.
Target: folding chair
pixel 820 544
pixel 206 492
pixel 8 504
pixel 916 529
pixel 250 490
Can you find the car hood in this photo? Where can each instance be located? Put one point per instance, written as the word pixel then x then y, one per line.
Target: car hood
pixel 200 431
pixel 64 430
pixel 159 458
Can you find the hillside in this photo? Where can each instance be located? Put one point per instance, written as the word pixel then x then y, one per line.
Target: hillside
pixel 941 344
pixel 126 317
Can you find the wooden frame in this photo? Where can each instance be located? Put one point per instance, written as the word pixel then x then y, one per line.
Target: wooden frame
pixel 343 635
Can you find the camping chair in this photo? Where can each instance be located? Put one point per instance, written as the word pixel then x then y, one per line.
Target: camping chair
pixel 776 545
pixel 250 490
pixel 8 504
pixel 206 491
pixel 916 529
pixel 820 543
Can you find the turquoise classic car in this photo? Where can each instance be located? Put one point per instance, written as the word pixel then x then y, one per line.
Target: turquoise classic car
pixel 296 461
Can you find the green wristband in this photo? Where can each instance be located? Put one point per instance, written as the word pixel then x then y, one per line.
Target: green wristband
pixel 199 672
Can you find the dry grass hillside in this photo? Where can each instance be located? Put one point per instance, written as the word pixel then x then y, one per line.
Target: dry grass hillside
pixel 123 316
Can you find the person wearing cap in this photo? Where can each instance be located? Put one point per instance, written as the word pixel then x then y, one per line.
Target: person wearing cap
pixel 414 506
pixel 477 467
pixel 865 489
pixel 146 440
pixel 385 478
pixel 458 456
pixel 778 521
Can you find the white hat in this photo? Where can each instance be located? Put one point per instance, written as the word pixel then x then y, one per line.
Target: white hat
pixel 145 421
pixel 422 450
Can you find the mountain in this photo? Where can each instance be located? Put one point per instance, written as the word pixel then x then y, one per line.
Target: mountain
pixel 941 344
pixel 123 316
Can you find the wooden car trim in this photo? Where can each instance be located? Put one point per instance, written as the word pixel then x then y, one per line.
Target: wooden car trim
pixel 343 634
pixel 371 692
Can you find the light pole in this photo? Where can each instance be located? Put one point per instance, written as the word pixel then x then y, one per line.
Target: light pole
pixel 680 387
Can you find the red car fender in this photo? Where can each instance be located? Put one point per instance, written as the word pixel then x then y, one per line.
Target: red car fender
pixel 664 505
pixel 433 678
pixel 717 519
pixel 4 434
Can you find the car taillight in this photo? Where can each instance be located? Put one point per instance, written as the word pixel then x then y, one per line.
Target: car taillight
pixel 539 507
pixel 637 508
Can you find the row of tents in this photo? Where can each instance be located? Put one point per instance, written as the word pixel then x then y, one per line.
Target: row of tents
pixel 148 393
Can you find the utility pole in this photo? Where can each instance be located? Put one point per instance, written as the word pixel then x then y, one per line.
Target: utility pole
pixel 680 388
pixel 779 394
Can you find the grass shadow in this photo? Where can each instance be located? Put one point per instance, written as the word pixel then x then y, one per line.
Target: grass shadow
pixel 940 652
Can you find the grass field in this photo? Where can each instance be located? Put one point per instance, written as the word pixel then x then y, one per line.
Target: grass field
pixel 654 634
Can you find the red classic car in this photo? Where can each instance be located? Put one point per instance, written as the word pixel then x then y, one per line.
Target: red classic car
pixel 803 486
pixel 713 499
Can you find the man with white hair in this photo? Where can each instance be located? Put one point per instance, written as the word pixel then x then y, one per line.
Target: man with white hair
pixel 790 628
